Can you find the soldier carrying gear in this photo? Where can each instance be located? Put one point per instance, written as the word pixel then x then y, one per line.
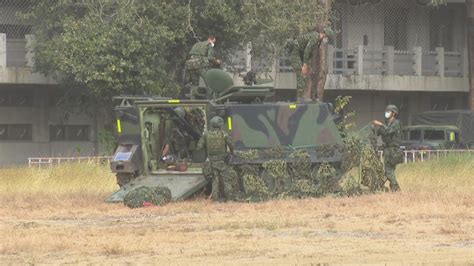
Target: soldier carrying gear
pixel 218 146
pixel 305 45
pixel 201 58
pixel 390 131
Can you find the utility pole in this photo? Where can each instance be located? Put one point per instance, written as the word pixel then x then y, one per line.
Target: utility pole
pixel 470 48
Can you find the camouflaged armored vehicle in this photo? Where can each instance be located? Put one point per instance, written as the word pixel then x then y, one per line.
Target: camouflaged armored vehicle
pixel 262 129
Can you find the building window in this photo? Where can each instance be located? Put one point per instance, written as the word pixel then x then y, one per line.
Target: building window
pixel 3 100
pixel 78 133
pixel 57 133
pixel 15 31
pixel 442 103
pixel 21 100
pixel 441 28
pixel 69 132
pixel 395 28
pixel 16 132
pixel 16 99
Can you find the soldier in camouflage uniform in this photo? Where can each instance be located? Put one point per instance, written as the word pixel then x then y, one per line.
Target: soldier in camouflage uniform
pixel 201 58
pixel 216 141
pixel 175 142
pixel 305 45
pixel 390 131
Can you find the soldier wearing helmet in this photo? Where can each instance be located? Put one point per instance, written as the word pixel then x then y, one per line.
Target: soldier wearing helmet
pixel 218 146
pixel 390 131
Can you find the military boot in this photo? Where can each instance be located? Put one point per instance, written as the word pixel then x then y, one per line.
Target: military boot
pixel 394 187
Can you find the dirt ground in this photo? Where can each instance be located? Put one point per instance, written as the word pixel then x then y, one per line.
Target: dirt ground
pixel 405 227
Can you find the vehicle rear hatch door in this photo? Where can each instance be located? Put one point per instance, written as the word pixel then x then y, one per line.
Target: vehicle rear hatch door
pixel 181 184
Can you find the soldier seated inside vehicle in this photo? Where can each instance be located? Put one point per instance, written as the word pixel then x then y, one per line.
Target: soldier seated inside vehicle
pixel 179 131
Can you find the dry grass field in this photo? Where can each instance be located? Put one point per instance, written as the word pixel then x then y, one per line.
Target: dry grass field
pixel 58 216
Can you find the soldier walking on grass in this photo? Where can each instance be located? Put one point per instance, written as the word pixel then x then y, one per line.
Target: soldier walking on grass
pixel 390 131
pixel 218 146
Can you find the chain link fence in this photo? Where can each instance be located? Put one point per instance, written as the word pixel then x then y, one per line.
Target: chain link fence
pixel 402 37
pixel 13 32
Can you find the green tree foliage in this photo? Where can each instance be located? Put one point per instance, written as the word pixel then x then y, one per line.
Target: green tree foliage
pixel 110 47
pixel 271 23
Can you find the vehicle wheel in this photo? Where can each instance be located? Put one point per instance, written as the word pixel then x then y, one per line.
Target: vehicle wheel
pixel 124 178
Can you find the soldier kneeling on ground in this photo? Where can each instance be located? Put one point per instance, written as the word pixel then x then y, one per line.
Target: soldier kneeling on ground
pixel 219 147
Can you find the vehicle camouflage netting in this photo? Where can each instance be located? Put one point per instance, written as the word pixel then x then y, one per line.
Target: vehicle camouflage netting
pixel 360 171
pixel 140 197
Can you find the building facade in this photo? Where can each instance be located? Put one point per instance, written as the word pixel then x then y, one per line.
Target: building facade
pixel 401 52
pixel 32 123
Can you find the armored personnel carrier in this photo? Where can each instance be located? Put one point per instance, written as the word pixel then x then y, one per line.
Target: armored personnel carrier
pixel 157 137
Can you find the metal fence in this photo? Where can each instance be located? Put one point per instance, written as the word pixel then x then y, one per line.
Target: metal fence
pixel 414 156
pixel 50 161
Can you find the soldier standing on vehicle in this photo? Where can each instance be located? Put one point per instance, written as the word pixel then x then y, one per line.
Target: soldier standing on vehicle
pixel 305 45
pixel 201 58
pixel 390 131
pixel 218 146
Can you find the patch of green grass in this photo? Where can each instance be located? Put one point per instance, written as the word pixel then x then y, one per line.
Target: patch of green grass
pixel 450 174
pixel 70 178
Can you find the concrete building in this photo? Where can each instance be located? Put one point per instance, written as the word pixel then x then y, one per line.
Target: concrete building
pixel 31 124
pixel 396 51
pixel 387 51
pixel 402 52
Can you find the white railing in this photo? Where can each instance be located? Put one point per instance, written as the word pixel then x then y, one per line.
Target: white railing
pixel 412 156
pixel 388 61
pixel 49 161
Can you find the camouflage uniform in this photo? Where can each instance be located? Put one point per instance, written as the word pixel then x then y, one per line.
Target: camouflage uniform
pixel 306 43
pixel 200 58
pixel 390 132
pixel 216 142
pixel 175 138
pixel 177 142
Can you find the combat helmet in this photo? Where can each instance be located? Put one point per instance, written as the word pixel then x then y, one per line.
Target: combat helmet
pixel 392 108
pixel 217 122
pixel 329 32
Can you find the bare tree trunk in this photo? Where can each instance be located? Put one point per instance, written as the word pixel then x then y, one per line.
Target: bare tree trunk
pixel 312 78
pixel 470 44
pixel 322 74
pixel 317 78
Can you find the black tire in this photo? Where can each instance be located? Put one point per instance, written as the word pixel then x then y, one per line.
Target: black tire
pixel 124 178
